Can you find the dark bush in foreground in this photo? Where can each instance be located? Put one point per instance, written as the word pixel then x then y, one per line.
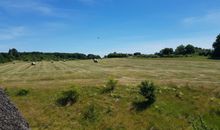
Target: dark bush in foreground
pixel 90 114
pixel 68 98
pixel 110 86
pixel 147 89
pixel 22 92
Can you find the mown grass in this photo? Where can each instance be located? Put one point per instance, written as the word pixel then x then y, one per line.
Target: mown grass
pixel 115 110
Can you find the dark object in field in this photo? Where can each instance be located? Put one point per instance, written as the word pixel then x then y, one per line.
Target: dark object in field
pixel 10 118
pixel 110 86
pixel 68 98
pixel 33 63
pixel 147 89
pixel 91 114
pixel 22 92
pixel 95 61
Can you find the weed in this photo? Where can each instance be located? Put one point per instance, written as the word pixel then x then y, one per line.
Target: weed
pixel 90 114
pixel 200 124
pixel 110 86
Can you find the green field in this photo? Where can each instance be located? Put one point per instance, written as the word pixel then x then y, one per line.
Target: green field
pixel 197 78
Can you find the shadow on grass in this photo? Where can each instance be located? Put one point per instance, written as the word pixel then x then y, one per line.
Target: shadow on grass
pixel 141 105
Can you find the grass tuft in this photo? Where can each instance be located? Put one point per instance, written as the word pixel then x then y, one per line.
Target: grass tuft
pixel 68 97
pixel 22 92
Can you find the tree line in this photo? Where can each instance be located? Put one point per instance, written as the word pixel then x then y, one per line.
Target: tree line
pixel 181 50
pixel 13 54
pixel 167 52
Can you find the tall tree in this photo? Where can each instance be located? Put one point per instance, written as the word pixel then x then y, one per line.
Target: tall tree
pixel 216 46
pixel 190 49
pixel 2 59
pixel 13 53
pixel 180 50
pixel 166 51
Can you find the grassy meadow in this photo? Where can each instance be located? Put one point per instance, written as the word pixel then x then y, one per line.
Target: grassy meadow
pixel 196 78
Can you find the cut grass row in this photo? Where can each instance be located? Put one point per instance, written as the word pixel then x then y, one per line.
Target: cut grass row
pixel 128 71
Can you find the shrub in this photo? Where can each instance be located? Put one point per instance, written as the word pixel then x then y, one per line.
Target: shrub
pixel 147 89
pixel 200 124
pixel 215 111
pixel 110 86
pixel 90 114
pixel 22 92
pixel 68 98
pixel 117 55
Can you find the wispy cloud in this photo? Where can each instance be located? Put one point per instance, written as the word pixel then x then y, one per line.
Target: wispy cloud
pixel 12 32
pixel 26 6
pixel 211 17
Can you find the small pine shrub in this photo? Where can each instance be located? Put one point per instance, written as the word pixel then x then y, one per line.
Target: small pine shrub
pixel 68 98
pixel 110 86
pixel 90 114
pixel 22 92
pixel 200 124
pixel 147 89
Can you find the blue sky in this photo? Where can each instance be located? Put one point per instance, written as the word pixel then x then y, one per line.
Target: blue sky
pixel 103 26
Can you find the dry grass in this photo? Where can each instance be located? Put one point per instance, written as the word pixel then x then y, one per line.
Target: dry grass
pixel 200 78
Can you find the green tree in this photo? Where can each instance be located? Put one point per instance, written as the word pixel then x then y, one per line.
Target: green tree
pixel 190 49
pixel 166 51
pixel 137 54
pixel 147 89
pixel 13 53
pixel 216 46
pixel 2 59
pixel 180 50
pixel 92 56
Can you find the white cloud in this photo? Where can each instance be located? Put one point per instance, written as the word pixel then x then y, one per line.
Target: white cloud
pixel 27 6
pixel 211 17
pixel 12 32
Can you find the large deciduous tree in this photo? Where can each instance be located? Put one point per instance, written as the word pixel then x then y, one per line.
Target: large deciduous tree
pixel 13 53
pixel 180 50
pixel 216 46
pixel 166 51
pixel 190 49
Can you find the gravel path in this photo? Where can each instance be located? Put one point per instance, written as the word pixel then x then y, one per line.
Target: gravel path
pixel 10 118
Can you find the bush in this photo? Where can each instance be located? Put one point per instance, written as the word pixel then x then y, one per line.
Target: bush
pixel 200 124
pixel 68 98
pixel 90 114
pixel 110 86
pixel 22 92
pixel 147 89
pixel 117 55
